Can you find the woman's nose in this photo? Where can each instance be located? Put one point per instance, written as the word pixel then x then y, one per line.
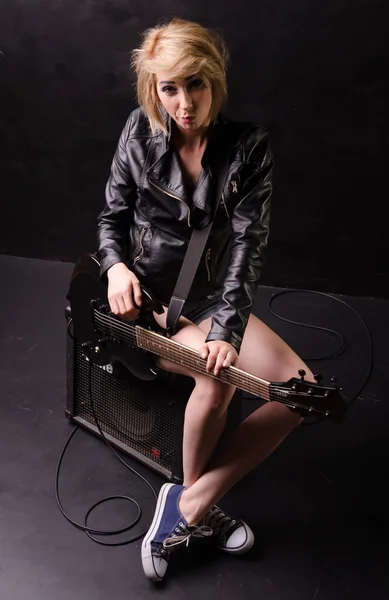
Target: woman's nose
pixel 185 101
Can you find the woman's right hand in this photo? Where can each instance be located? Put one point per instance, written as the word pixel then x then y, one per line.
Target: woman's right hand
pixel 124 292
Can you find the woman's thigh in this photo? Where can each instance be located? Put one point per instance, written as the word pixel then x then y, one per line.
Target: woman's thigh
pixel 264 354
pixel 192 336
pixel 210 389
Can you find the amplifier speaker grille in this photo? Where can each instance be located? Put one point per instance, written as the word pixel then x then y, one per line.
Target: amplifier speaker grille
pixel 142 418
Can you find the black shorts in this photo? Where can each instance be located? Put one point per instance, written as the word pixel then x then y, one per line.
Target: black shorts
pixel 202 309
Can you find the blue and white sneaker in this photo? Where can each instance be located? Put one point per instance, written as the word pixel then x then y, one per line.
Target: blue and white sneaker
pixel 168 531
pixel 229 535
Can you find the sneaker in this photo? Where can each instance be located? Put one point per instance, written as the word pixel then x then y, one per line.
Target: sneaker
pixel 168 531
pixel 230 535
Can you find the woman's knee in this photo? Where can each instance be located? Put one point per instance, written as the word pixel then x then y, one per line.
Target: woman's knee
pixel 213 394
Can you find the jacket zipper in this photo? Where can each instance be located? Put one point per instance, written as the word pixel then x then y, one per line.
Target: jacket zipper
pixel 224 204
pixel 141 236
pixel 207 259
pixel 172 196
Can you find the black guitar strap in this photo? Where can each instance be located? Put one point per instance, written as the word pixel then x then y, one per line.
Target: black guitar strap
pixel 192 258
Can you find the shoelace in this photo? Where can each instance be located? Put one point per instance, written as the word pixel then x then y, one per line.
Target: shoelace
pixel 185 535
pixel 218 521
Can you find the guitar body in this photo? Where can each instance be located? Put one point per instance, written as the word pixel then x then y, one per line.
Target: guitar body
pixel 88 291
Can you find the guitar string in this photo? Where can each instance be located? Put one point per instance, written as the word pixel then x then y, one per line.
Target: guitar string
pixel 250 382
pixel 168 345
pixel 250 385
pixel 174 350
pixel 195 362
pixel 199 364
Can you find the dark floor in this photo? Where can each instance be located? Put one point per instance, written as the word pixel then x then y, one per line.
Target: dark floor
pixel 317 505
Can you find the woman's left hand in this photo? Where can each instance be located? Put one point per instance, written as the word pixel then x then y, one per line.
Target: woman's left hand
pixel 219 354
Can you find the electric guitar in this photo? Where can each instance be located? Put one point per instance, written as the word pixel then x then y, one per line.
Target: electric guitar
pixel 106 337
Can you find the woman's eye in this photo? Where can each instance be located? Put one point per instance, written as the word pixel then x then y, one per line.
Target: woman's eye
pixel 168 88
pixel 196 83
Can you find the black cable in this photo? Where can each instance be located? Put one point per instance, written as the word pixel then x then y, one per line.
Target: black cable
pixel 84 527
pixel 336 352
pixel 89 530
pixel 342 345
pixel 339 350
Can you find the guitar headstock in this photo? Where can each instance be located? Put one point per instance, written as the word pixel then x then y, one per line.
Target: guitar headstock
pixel 311 398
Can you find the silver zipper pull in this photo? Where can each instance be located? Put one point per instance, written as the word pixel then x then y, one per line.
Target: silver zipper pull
pixel 207 259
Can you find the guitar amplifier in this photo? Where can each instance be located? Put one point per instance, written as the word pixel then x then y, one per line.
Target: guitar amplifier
pixel 144 419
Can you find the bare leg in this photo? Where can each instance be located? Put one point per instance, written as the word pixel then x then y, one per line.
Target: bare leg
pixel 205 418
pixel 208 478
pixel 256 438
pixel 206 409
pixel 260 433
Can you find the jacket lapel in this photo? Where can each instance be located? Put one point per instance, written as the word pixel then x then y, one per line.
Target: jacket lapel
pixel 166 171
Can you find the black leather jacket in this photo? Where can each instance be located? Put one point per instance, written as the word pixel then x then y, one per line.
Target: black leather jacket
pixel 148 216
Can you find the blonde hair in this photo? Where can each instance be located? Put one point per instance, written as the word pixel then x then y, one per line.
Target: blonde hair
pixel 179 48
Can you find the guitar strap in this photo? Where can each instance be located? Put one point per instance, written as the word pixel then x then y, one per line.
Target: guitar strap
pixel 193 254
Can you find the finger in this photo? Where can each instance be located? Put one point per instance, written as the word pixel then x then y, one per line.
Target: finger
pixel 128 303
pixel 204 351
pixel 132 311
pixel 219 362
pixel 212 356
pixel 228 360
pixel 113 305
pixel 121 305
pixel 137 293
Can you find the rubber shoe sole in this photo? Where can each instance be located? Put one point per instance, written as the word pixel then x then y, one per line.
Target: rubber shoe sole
pixel 240 541
pixel 155 567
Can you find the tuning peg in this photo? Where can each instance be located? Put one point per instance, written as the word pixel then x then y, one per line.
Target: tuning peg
pixel 318 377
pixel 302 374
pixel 334 380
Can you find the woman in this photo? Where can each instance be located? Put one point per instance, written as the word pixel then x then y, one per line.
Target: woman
pixel 162 185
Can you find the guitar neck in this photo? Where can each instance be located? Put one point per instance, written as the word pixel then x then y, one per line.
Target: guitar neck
pixel 105 337
pixel 157 344
pixel 299 395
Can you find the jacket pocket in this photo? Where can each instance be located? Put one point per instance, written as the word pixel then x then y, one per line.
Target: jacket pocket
pixel 141 250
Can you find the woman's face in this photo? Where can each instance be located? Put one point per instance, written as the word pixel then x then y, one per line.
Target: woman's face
pixel 187 100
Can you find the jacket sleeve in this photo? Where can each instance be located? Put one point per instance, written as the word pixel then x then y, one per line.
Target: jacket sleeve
pixel 113 221
pixel 250 229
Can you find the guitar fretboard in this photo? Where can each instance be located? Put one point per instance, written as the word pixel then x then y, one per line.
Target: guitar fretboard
pixel 164 347
pixel 178 353
pixel 296 394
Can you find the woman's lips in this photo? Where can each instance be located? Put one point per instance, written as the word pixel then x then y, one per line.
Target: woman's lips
pixel 187 119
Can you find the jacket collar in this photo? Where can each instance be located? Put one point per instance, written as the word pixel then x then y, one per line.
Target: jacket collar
pixel 166 173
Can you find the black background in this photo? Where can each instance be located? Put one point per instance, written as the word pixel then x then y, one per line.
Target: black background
pixel 313 73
